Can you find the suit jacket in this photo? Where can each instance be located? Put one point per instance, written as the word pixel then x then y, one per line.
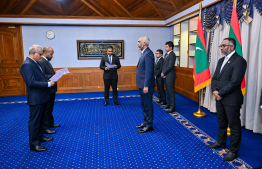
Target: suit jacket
pixel 145 70
pixel 168 66
pixel 112 73
pixel 49 72
pixel 228 81
pixel 159 67
pixel 36 83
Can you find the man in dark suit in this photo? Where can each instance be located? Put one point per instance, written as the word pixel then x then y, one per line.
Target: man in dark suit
pixel 49 72
pixel 110 74
pixel 145 81
pixel 159 80
pixel 38 93
pixel 169 75
pixel 226 87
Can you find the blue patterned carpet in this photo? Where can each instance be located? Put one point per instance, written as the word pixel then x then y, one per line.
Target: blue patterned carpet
pixel 94 136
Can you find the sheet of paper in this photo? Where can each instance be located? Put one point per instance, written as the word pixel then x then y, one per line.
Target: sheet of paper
pixel 59 74
pixel 108 65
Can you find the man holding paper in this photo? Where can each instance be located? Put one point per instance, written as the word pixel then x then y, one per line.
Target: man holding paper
pixel 49 71
pixel 110 63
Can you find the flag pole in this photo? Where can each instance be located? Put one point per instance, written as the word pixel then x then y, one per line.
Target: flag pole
pixel 199 113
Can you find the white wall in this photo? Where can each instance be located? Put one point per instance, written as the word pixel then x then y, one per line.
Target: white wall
pixel 65 46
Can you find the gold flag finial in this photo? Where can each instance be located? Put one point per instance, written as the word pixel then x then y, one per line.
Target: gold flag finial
pixel 200 6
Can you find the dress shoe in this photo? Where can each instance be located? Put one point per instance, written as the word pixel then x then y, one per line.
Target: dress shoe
pixel 106 103
pixel 38 148
pixel 48 131
pixel 54 125
pixel 46 139
pixel 216 145
pixel 230 156
pixel 145 130
pixel 140 126
pixel 163 103
pixel 165 107
pixel 158 101
pixel 116 103
pixel 170 110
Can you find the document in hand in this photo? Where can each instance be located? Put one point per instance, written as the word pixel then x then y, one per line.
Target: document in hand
pixel 108 65
pixel 59 74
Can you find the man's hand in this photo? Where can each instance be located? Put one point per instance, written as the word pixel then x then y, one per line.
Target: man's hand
pixel 115 66
pixel 145 90
pixel 155 77
pixel 162 74
pixel 108 68
pixel 216 94
pixel 52 83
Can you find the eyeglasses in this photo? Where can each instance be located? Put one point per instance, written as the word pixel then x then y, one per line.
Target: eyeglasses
pixel 222 46
pixel 39 53
pixel 157 53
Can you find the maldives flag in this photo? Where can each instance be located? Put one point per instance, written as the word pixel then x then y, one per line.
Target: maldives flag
pixel 201 72
pixel 234 32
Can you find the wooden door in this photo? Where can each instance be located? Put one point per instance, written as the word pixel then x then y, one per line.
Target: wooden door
pixel 11 57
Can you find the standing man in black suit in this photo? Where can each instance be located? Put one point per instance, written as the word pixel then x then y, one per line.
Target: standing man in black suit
pixel 49 72
pixel 38 93
pixel 226 87
pixel 110 74
pixel 145 81
pixel 169 75
pixel 159 80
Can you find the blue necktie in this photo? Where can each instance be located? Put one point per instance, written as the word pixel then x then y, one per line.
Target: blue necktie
pixel 110 60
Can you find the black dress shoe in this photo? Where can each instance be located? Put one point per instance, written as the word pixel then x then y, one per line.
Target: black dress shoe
pixel 140 126
pixel 116 103
pixel 145 130
pixel 158 101
pixel 46 139
pixel 48 131
pixel 38 148
pixel 55 125
pixel 170 110
pixel 106 103
pixel 216 145
pixel 165 107
pixel 163 103
pixel 230 156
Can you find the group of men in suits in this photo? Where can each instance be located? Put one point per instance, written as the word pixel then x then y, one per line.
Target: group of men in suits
pixel 36 71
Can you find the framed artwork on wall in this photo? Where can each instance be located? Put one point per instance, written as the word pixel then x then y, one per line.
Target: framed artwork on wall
pixel 95 49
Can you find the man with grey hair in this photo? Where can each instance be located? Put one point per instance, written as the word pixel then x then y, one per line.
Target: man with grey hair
pixel 145 81
pixel 49 72
pixel 38 93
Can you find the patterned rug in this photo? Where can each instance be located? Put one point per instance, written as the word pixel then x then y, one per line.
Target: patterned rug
pixel 94 136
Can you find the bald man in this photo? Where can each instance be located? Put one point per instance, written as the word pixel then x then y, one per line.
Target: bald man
pixel 47 56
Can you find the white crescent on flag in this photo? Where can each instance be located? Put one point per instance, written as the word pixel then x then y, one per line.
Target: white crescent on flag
pixel 198 48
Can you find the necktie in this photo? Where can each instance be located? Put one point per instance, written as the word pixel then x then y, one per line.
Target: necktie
pixel 50 64
pixel 157 60
pixel 165 56
pixel 40 67
pixel 110 59
pixel 224 62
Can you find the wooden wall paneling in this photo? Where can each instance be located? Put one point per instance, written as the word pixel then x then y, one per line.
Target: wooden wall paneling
pixel 184 83
pixel 91 80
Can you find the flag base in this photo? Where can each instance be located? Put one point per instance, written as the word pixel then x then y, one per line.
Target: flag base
pixel 199 114
pixel 228 132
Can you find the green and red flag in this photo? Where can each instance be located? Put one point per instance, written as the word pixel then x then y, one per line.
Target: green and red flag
pixel 201 72
pixel 234 32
